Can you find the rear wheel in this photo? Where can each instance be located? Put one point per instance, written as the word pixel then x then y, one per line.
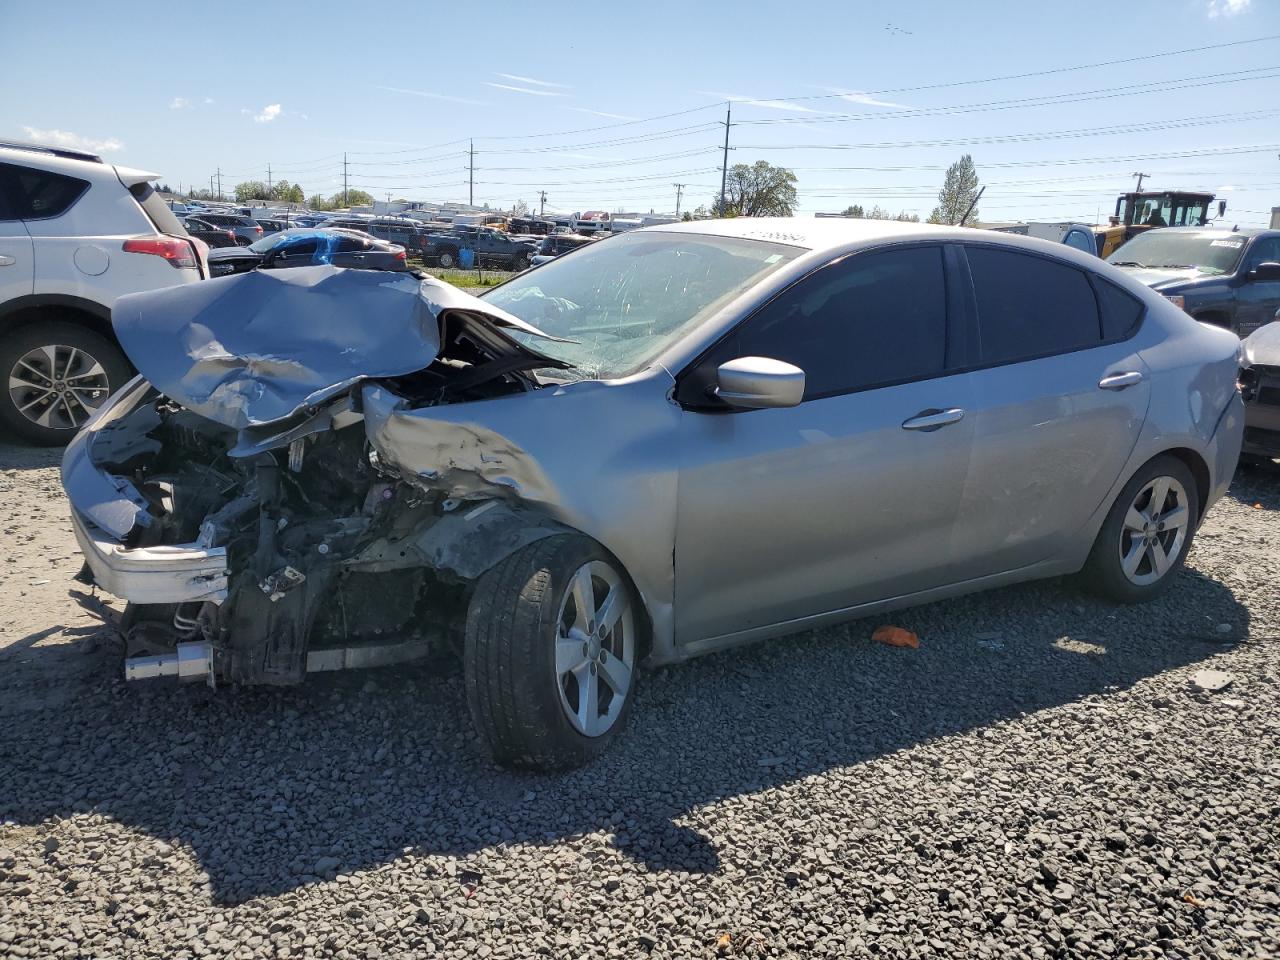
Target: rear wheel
pixel 550 654
pixel 1147 534
pixel 57 375
pixel 447 259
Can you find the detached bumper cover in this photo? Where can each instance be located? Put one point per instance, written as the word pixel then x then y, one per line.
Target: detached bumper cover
pixel 179 573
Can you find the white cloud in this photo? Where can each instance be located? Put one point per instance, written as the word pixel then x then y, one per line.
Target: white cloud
pixel 529 81
pixel 208 99
pixel 529 90
pixel 269 113
pixel 430 96
pixel 73 141
pixel 866 99
pixel 601 113
pixel 1227 8
pixel 179 103
pixel 767 104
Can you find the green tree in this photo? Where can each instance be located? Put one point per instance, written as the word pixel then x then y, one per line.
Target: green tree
pixel 855 211
pixel 959 191
pixel 758 190
pixel 251 190
pixel 352 198
pixel 285 192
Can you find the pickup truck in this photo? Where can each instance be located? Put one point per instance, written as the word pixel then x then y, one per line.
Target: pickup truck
pixel 1230 278
pixel 492 248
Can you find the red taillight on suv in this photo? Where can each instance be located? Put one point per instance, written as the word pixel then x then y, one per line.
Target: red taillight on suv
pixel 177 252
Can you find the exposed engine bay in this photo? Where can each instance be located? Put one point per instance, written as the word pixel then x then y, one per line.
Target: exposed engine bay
pixel 263 465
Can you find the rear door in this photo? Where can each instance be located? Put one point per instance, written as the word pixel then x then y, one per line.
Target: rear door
pixel 849 497
pixel 17 258
pixel 1060 396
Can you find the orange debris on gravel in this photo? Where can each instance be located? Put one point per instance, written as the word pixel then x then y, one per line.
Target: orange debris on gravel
pixel 896 637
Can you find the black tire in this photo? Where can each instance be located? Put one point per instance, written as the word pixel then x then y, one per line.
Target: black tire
pixel 509 657
pixel 447 259
pixel 1103 573
pixel 18 343
pixel 242 241
pixel 523 262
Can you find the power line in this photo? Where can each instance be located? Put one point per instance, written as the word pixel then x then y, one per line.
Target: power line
pixel 1180 123
pixel 1058 99
pixel 1035 73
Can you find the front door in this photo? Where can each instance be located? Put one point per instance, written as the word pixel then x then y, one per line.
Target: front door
pixel 17 257
pixel 848 497
pixel 1257 298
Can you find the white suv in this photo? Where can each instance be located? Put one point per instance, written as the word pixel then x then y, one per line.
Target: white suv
pixel 75 234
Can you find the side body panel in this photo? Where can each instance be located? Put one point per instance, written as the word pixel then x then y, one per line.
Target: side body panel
pixel 595 456
pixel 793 512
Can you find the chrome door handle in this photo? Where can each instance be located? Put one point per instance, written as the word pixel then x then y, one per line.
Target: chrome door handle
pixel 1118 381
pixel 929 420
pixel 6 260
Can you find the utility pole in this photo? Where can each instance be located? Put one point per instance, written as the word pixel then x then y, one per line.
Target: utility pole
pixel 1141 177
pixel 268 196
pixel 542 202
pixel 211 186
pixel 219 183
pixel 724 168
pixel 679 190
pixel 345 202
pixel 471 180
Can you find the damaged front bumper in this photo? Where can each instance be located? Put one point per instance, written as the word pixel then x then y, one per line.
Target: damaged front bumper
pixel 172 573
pixel 235 499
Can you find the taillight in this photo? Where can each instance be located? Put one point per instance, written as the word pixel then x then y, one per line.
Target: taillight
pixel 402 256
pixel 259 229
pixel 177 252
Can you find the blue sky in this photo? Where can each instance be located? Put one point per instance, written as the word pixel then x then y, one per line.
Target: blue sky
pixel 550 93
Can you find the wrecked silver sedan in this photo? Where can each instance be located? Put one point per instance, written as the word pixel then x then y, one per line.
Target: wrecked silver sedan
pixel 672 442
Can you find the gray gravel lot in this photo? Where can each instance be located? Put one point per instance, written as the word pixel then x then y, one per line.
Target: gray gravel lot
pixel 1042 778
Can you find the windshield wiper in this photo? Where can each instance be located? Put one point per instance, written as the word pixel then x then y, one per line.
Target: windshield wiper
pixel 1175 266
pixel 1127 263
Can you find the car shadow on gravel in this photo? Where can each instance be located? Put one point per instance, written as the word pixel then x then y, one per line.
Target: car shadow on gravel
pixel 271 789
pixel 16 456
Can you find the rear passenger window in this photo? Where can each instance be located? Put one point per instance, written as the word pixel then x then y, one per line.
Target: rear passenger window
pixel 870 319
pixel 1120 311
pixel 39 194
pixel 1029 306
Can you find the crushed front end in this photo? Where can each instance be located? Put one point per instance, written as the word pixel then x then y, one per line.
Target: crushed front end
pixel 233 497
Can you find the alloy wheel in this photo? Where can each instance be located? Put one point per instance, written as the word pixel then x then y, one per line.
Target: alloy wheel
pixel 1154 530
pixel 595 648
pixel 57 386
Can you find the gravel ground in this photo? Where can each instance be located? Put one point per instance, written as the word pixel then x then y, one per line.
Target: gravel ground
pixel 1042 778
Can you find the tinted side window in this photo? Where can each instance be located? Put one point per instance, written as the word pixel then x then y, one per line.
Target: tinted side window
pixel 1264 250
pixel 39 194
pixel 868 320
pixel 1029 306
pixel 1120 311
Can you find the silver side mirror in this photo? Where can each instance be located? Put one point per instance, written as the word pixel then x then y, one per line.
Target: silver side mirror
pixel 754 383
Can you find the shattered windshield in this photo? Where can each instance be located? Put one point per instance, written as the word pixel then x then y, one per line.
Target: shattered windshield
pixel 1207 252
pixel 621 301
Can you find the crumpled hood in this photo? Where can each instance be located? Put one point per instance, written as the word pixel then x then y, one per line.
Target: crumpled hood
pixel 257 347
pixel 1262 347
pixel 1158 279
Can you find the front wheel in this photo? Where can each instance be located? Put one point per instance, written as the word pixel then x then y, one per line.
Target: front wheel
pixel 446 259
pixel 58 374
pixel 523 262
pixel 550 654
pixel 1147 534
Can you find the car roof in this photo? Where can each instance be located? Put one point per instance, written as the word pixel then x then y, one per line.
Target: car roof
pixel 821 233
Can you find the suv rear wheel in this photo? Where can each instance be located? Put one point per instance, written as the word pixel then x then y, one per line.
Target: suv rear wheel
pixel 57 375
